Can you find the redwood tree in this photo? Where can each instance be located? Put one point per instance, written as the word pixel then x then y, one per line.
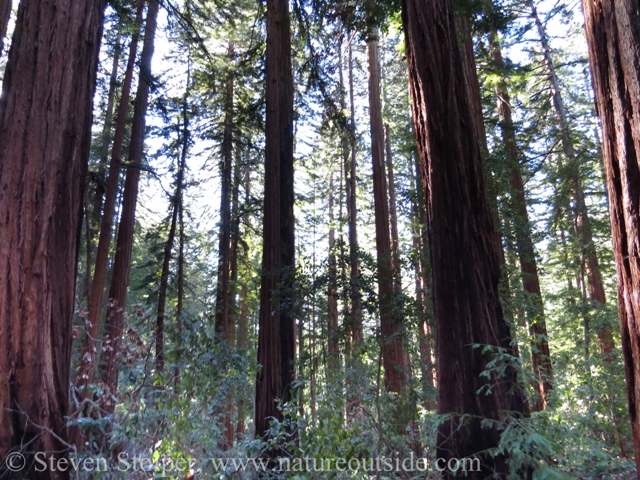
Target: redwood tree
pixel 45 123
pixel 613 35
pixel 276 339
pixel 124 243
pixel 464 254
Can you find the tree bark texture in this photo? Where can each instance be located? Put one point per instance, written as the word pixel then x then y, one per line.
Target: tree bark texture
pixel 613 36
pixel 45 124
pixel 276 339
pixel 464 256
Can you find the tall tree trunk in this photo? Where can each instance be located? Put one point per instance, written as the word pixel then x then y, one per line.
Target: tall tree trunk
pixel 45 125
pixel 99 177
pixel 224 250
pixel 393 214
pixel 424 301
pixel 124 243
pixel 392 342
pixel 535 310
pixel 475 105
pixel 224 300
pixel 92 324
pixel 572 174
pixel 356 307
pixel 180 293
pixel 332 300
pixel 176 203
pixel 243 306
pixel 5 15
pixel 464 255
pixel 276 341
pixel 613 35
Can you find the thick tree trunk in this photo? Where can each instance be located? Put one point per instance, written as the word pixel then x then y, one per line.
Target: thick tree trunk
pixel 276 341
pixel 475 105
pixel 464 256
pixel 45 124
pixel 535 310
pixel 92 324
pixel 392 343
pixel 124 243
pixel 5 15
pixel 572 174
pixel 613 35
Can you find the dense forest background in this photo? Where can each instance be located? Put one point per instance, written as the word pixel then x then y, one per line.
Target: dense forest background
pixel 178 272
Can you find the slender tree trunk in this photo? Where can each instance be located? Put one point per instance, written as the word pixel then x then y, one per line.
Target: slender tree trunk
pixel 393 215
pixel 92 324
pixel 535 310
pixel 464 256
pixel 393 351
pixel 332 300
pixel 224 251
pixel 572 174
pixel 176 202
pixel 422 271
pixel 180 293
pixel 613 36
pixel 276 342
pixel 45 126
pixel 243 306
pixel 99 177
pixel 5 15
pixel 124 243
pixel 356 307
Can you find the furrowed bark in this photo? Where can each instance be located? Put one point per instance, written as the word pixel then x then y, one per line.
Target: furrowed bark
pixel 276 340
pixel 45 125
pixel 613 36
pixel 465 258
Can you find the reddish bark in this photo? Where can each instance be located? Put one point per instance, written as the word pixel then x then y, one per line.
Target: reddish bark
pixel 613 36
pixel 45 124
pixel 465 258
pixel 92 324
pixel 124 243
pixel 276 340
pixel 392 342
